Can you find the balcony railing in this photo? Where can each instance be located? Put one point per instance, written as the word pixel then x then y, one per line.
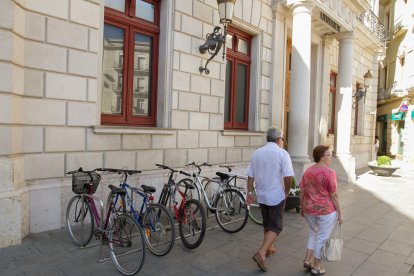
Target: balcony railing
pixel 372 23
pixel 398 25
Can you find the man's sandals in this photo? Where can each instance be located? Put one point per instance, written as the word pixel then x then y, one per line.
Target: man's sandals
pixel 270 252
pixel 259 261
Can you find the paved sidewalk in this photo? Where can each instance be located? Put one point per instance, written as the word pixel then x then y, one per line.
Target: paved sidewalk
pixel 378 240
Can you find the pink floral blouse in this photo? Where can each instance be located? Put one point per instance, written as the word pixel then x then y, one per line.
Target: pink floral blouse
pixel 317 184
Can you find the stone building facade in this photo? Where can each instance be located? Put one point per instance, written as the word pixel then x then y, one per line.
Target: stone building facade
pixel 395 125
pixel 72 95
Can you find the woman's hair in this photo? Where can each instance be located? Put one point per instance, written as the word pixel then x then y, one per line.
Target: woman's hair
pixel 319 152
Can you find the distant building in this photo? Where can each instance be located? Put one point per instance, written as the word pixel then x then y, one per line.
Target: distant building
pixel 395 126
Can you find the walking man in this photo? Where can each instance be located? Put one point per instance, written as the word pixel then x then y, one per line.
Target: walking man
pixel 271 168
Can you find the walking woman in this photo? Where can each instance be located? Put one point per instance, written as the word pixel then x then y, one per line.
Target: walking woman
pixel 321 206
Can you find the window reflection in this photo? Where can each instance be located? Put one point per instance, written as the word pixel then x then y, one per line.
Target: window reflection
pixel 227 91
pixel 144 10
pixel 141 103
pixel 241 93
pixel 116 4
pixel 243 46
pixel 229 41
pixel 113 62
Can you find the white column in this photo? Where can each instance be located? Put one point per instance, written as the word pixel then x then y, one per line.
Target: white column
pixel 300 82
pixel 278 67
pixel 343 106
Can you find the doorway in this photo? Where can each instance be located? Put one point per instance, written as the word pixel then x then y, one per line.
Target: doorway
pixel 287 90
pixel 401 125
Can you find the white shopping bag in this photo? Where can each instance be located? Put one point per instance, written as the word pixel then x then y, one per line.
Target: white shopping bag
pixel 332 250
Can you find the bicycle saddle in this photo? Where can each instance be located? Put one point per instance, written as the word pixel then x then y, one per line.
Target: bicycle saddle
pixel 116 190
pixel 148 189
pixel 223 176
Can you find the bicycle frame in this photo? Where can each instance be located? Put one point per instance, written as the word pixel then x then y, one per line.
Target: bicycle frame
pixel 129 200
pixel 202 193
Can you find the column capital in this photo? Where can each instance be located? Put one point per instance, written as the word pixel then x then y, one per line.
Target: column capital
pixel 301 6
pixel 344 36
pixel 328 40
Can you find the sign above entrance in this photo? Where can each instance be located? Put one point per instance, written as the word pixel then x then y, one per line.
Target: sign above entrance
pixel 339 11
pixel 382 118
pixel 397 116
pixel 330 22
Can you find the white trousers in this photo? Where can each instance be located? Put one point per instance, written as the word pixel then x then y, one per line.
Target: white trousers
pixel 320 229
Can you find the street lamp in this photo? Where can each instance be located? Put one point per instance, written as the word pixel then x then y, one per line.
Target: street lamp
pixel 216 40
pixel 361 93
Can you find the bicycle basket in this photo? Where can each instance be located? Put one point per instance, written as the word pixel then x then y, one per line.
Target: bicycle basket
pixel 81 181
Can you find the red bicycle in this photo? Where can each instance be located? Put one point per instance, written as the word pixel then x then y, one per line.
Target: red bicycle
pixel 192 220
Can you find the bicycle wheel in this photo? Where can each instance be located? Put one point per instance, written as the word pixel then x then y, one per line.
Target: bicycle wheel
pixel 80 224
pixel 211 186
pixel 231 213
pixel 192 224
pixel 255 213
pixel 190 193
pixel 159 229
pixel 127 244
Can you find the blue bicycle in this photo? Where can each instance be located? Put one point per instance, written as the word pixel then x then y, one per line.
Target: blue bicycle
pixel 156 221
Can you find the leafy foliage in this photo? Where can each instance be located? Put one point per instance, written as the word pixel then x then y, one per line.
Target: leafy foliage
pixel 294 188
pixel 384 161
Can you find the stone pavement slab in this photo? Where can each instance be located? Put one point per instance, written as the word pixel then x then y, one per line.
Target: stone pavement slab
pixel 378 240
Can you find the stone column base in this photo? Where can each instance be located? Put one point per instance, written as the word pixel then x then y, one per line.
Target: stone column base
pixel 14 202
pixel 299 167
pixel 12 215
pixel 344 166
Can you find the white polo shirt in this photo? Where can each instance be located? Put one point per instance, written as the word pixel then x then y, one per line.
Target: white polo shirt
pixel 268 166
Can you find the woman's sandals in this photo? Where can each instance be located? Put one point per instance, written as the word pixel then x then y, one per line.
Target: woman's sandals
pixel 317 271
pixel 307 264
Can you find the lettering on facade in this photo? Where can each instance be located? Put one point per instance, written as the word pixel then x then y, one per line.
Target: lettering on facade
pixel 330 22
pixel 339 8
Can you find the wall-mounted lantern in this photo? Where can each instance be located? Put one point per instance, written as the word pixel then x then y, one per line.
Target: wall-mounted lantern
pixel 361 92
pixel 215 40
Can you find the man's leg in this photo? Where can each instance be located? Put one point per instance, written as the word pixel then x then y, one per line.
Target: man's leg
pixel 268 240
pixel 274 225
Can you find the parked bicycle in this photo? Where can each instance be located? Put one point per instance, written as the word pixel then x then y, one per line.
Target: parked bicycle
pixel 119 229
pixel 226 202
pixel 189 213
pixel 255 213
pixel 154 218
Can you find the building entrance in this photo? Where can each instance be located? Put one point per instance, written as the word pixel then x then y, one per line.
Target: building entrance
pixel 287 91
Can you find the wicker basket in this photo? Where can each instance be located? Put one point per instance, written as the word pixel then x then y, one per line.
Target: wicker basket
pixel 81 182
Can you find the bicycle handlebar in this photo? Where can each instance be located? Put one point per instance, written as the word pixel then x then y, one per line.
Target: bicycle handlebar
pixel 81 170
pixel 185 173
pixel 89 173
pixel 229 168
pixel 204 164
pixel 165 167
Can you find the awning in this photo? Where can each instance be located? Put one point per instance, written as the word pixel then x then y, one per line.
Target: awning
pixel 382 118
